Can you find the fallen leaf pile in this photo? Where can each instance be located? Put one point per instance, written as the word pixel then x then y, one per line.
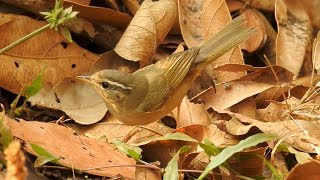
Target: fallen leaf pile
pixel 253 113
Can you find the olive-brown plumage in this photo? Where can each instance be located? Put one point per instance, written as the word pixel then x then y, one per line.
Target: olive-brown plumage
pixel 152 92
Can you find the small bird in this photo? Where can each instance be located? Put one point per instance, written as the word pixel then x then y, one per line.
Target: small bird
pixel 150 93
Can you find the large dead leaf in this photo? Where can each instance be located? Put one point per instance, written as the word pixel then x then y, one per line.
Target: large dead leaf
pixel 76 98
pixel 310 171
pixel 290 130
pixel 294 35
pixel 78 152
pixel 231 93
pixel 146 30
pixel 100 14
pixel 22 64
pixel 113 129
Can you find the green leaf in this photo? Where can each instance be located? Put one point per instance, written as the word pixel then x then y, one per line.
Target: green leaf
pixel 35 86
pixel 171 171
pixel 65 33
pixel 229 151
pixel 132 151
pixel 6 136
pixel 209 147
pixel 43 156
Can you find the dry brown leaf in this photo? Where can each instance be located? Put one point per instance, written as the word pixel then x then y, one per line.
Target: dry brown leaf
pixel 113 129
pixel 250 109
pixel 269 48
pixel 249 162
pixel 100 14
pixel 78 152
pixel 76 98
pixel 294 36
pixel 267 5
pixel 161 151
pixel 312 10
pixel 189 113
pixel 273 94
pixel 132 5
pixel 191 22
pixel 219 137
pixel 231 93
pixel 22 64
pixel 316 53
pixel 147 29
pixel 257 40
pixel 280 163
pixel 82 2
pixel 288 129
pixel 147 174
pixel 234 5
pixel 310 171
pixel 272 113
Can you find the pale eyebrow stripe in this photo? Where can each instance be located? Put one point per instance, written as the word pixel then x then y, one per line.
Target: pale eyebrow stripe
pixel 112 83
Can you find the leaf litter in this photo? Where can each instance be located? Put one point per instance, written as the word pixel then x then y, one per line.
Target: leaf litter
pixel 270 87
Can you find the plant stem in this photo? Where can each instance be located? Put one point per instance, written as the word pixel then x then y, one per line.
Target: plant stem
pixel 10 46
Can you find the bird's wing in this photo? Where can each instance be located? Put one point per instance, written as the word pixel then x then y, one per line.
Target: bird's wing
pixel 158 88
pixel 177 65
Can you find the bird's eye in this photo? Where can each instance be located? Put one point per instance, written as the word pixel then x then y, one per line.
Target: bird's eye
pixel 105 85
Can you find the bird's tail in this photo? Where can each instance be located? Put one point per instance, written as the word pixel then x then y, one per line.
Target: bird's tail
pixel 230 36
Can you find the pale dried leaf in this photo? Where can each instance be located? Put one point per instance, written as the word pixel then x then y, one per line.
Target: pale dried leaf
pixel 294 35
pixel 146 30
pixel 76 152
pixel 189 113
pixel 191 22
pixel 22 64
pixel 288 129
pixel 231 93
pixel 219 137
pixel 272 113
pixel 76 98
pixel 113 129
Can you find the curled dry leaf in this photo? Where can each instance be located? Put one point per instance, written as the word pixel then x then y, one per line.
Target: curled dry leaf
pixel 310 170
pixel 288 129
pixel 294 35
pixel 147 29
pixel 22 64
pixel 257 40
pixel 189 113
pixel 78 152
pixel 76 98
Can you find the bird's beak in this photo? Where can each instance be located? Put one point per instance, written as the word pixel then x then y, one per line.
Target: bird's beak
pixel 84 78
